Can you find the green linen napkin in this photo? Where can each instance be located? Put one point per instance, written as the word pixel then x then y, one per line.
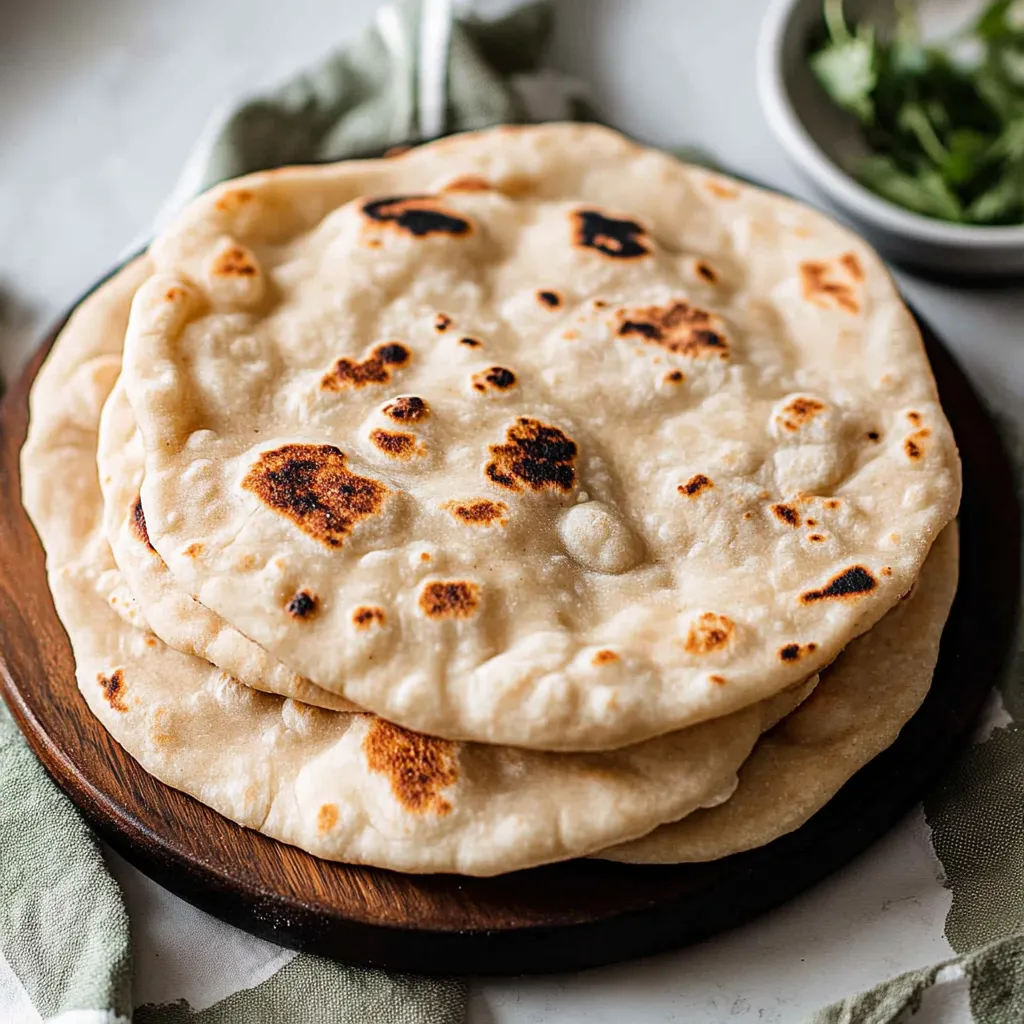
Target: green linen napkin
pixel 65 948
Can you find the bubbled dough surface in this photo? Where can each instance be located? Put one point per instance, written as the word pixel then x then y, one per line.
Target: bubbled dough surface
pixel 688 498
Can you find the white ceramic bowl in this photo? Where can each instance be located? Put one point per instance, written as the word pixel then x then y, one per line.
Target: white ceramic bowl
pixel 819 139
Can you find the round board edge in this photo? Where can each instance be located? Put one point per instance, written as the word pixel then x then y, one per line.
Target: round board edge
pixel 567 916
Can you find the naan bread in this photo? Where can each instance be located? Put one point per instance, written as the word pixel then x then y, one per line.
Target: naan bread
pixel 534 436
pixel 350 787
pixel 857 711
pixel 173 615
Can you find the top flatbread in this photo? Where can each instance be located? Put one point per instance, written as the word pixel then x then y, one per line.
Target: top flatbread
pixel 534 436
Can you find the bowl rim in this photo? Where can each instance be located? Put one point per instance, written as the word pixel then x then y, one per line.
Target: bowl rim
pixel 801 146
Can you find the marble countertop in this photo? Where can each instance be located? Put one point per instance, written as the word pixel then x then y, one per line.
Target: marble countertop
pixel 99 104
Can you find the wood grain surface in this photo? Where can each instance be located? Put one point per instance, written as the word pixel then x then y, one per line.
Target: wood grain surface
pixel 579 914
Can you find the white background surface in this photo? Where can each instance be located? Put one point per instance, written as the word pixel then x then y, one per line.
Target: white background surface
pixel 100 101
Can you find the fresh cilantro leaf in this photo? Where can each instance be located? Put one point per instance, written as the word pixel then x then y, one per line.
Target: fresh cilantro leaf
pixel 968 150
pixel 993 22
pixel 1003 203
pixel 1010 143
pixel 924 193
pixel 845 66
pixel 907 54
pixel 997 90
pixel 913 118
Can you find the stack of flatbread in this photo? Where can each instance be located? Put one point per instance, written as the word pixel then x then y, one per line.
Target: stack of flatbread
pixel 529 495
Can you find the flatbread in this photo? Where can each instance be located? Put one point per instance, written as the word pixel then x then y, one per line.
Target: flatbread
pixel 555 441
pixel 344 786
pixel 857 711
pixel 156 598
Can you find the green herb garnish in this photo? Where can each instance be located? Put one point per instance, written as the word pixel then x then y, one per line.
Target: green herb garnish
pixel 946 132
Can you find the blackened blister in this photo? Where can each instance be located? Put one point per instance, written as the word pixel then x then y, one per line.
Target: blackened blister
pixel 621 239
pixel 415 215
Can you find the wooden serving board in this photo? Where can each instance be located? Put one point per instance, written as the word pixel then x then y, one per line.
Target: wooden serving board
pixel 562 917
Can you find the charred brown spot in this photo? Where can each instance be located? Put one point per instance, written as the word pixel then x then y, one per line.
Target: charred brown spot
pixel 823 290
pixel 470 342
pixel 620 239
pixel 571 334
pixel 418 767
pixel 709 633
pixel 396 445
pixel 600 303
pixel 786 514
pixel 794 652
pixel 234 199
pixel 137 524
pixel 914 445
pixel 873 435
pixel 420 216
pixel 833 503
pixel 748 515
pixel 479 512
pixel 469 183
pixel 852 582
pixel 605 657
pixel 234 262
pixel 150 640
pixel 816 538
pixel 442 322
pixel 174 293
pixel 534 455
pixel 407 409
pixel 424 556
pixel 799 411
pixel 915 418
pixel 497 378
pixel 302 605
pixel 852 265
pixel 450 599
pixel 327 817
pixel 113 689
pixel 677 327
pixel 718 680
pixel 696 485
pixel 376 368
pixel 675 377
pixel 550 299
pixel 194 550
pixel 367 616
pixel 810 522
pixel 716 188
pixel 706 271
pixel 310 485
pixel 886 570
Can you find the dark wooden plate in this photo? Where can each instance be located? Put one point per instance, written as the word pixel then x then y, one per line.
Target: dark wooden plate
pixel 567 916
